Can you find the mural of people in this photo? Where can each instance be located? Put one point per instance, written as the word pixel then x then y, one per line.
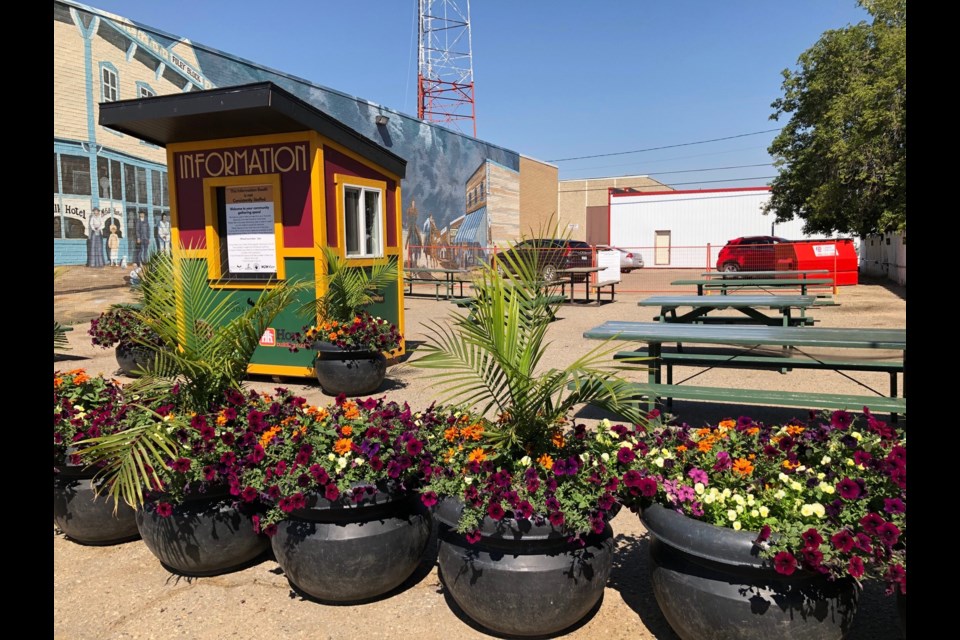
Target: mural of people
pixel 113 246
pixel 95 257
pixel 162 233
pixel 142 231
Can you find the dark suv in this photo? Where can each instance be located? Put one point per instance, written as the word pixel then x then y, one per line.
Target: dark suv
pixel 749 253
pixel 547 255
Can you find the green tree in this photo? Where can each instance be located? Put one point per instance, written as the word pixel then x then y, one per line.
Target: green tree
pixel 843 154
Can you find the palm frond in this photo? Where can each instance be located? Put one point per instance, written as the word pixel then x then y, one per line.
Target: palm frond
pixel 492 360
pixel 348 289
pixel 129 457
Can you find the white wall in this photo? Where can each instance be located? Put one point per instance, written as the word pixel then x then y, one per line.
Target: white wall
pixel 885 255
pixel 695 220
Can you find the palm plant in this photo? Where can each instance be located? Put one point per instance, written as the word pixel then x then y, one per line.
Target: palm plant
pixel 348 289
pixel 205 340
pixel 492 358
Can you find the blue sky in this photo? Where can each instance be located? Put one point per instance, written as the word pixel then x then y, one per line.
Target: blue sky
pixel 554 80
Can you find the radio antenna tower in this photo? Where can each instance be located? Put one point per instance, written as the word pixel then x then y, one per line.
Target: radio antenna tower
pixel 445 71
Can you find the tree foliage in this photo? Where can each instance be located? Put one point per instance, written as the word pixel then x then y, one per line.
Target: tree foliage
pixel 842 155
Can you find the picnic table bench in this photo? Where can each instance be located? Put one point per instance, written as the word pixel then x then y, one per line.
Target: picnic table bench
pixel 428 275
pixel 546 300
pixel 725 285
pixel 610 285
pixel 750 306
pixel 656 333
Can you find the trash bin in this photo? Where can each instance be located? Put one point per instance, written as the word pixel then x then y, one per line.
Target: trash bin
pixel 837 256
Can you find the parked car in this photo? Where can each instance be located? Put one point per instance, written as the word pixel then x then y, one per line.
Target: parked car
pixel 749 253
pixel 629 260
pixel 548 254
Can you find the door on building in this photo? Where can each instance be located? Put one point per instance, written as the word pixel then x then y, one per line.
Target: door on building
pixel 661 247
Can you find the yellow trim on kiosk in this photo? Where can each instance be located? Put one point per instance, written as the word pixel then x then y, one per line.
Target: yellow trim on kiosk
pixel 280 370
pixel 340 182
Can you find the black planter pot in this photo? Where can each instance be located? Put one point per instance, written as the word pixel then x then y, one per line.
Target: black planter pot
pixel 133 360
pixel 85 518
pixel 710 583
pixel 343 553
pixel 206 535
pixel 521 579
pixel 352 373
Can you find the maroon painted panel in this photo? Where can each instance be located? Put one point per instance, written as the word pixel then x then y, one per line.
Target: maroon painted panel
pixel 291 160
pixel 337 162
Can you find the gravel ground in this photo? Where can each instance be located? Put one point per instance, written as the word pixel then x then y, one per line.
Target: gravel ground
pixel 133 596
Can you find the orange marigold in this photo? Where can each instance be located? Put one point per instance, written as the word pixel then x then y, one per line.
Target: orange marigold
pixel 477 455
pixel 57 382
pixel 727 424
pixel 346 430
pixel 74 372
pixel 557 440
pixel 342 446
pixel 752 431
pixel 790 465
pixel 450 434
pixel 702 433
pixel 795 430
pixel 221 419
pixel 473 432
pixel 743 467
pixel 332 336
pixel 449 454
pixel 268 435
pixel 545 461
pixel 682 448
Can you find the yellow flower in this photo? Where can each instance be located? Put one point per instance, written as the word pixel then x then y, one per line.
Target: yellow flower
pixel 545 461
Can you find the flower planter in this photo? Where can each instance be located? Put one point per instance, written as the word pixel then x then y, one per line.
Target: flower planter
pixel 133 360
pixel 205 535
pixel 521 579
pixel 350 372
pixel 86 518
pixel 341 553
pixel 710 583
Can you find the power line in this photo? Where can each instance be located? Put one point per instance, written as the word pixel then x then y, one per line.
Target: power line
pixel 667 185
pixel 670 146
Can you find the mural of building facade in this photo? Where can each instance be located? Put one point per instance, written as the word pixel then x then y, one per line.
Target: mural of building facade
pixel 99 57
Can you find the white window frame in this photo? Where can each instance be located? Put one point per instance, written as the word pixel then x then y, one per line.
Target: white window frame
pixel 361 221
pixel 145 91
pixel 109 86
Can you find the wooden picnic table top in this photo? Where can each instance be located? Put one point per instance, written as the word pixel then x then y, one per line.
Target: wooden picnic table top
pixel 729 275
pixel 718 302
pixel 659 332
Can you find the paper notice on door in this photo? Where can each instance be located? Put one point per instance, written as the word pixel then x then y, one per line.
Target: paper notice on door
pixel 251 238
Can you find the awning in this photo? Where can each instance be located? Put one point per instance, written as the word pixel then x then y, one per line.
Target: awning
pixel 473 229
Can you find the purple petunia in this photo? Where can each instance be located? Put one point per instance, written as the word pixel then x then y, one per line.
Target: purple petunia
pixel 698 475
pixel 811 538
pixel 842 541
pixel 855 567
pixel 495 511
pixel 164 509
pixel 841 420
pixel 625 455
pixel 331 492
pixel 764 534
pixel 249 494
pixel 785 563
pixel 849 489
pixel 888 533
pixel 870 522
pixel 894 505
pixel 181 465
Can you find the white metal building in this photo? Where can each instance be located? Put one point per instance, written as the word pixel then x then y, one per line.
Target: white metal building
pixel 688 228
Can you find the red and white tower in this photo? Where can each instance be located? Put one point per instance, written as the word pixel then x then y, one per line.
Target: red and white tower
pixel 445 71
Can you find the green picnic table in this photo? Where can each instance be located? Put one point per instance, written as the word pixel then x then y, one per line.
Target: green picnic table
pixel 655 334
pixel 749 305
pixel 730 275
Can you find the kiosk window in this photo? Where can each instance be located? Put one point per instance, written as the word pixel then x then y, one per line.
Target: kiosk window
pixel 363 224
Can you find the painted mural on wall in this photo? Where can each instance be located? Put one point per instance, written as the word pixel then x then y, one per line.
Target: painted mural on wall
pixel 105 57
